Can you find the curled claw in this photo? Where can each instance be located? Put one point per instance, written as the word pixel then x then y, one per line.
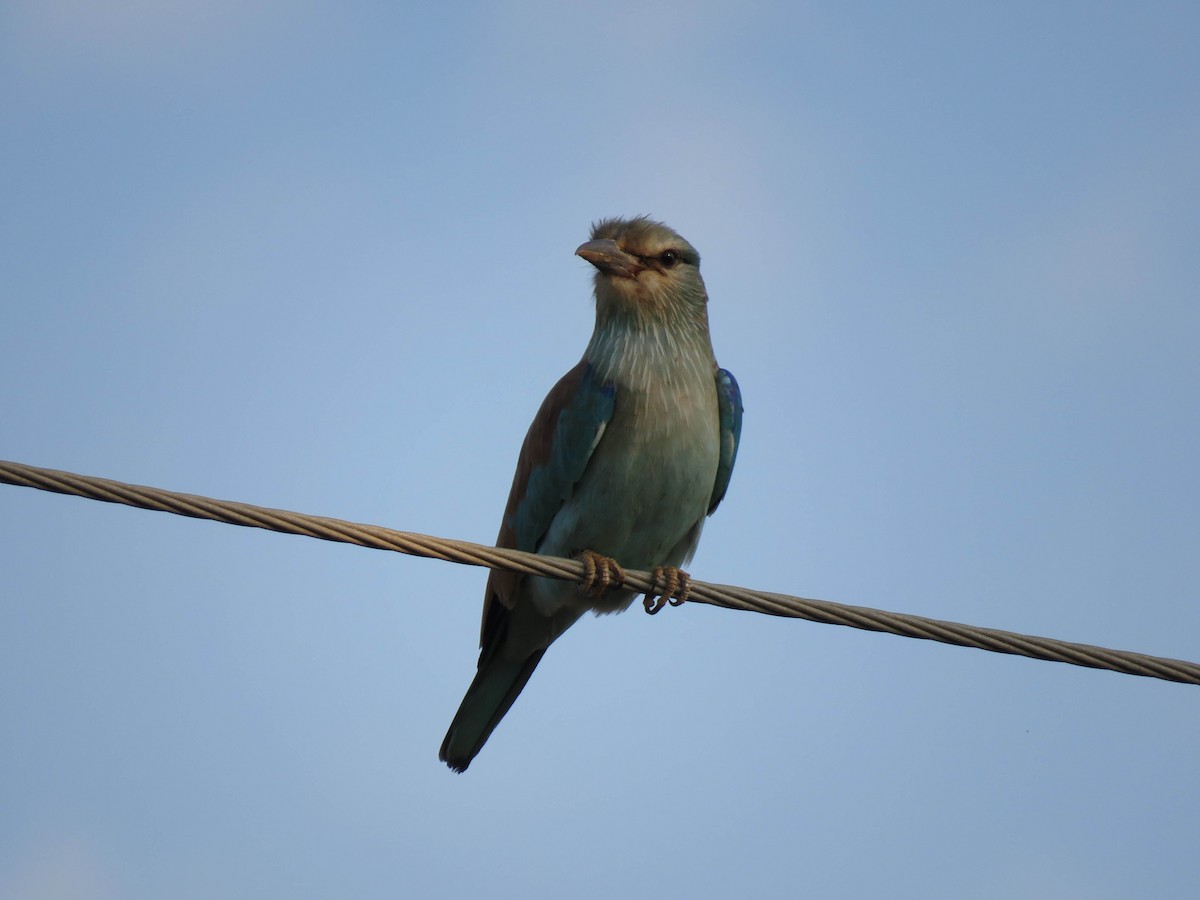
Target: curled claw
pixel 599 573
pixel 675 584
pixel 684 591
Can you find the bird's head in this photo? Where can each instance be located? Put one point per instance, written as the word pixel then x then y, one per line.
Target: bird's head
pixel 645 272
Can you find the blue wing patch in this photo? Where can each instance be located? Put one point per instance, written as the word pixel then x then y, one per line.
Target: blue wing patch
pixel 575 428
pixel 729 405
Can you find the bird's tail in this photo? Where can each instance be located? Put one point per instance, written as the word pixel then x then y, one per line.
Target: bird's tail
pixel 497 684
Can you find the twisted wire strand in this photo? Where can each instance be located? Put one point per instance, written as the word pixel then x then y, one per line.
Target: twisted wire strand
pixel 731 597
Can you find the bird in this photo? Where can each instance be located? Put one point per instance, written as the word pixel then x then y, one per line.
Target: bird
pixel 628 454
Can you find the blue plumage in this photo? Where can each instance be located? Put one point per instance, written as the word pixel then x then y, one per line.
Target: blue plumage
pixel 581 422
pixel 628 454
pixel 729 402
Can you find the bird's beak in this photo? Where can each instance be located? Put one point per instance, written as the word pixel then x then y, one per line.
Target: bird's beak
pixel 610 259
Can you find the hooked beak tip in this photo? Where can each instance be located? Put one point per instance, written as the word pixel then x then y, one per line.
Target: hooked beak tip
pixel 609 258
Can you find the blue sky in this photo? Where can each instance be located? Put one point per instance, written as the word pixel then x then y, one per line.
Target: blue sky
pixel 319 257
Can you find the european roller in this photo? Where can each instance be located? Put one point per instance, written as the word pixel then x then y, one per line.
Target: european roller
pixel 627 455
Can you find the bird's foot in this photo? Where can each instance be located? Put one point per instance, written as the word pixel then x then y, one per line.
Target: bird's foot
pixel 671 585
pixel 599 573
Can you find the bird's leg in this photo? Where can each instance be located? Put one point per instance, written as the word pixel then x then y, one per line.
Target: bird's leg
pixel 599 572
pixel 676 585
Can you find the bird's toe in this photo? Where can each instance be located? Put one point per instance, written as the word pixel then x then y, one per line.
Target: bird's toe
pixel 671 585
pixel 600 573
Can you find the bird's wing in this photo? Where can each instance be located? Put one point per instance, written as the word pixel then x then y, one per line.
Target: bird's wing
pixel 565 431
pixel 729 405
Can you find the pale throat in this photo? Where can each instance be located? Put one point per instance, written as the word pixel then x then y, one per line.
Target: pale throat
pixel 662 370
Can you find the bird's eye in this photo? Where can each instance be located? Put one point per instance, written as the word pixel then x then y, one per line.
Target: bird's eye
pixel 668 258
